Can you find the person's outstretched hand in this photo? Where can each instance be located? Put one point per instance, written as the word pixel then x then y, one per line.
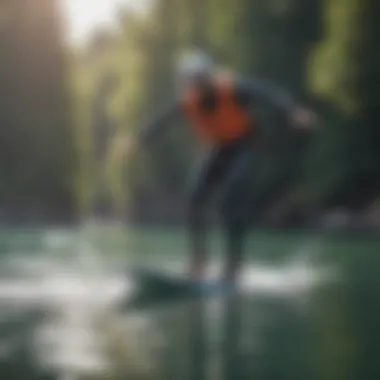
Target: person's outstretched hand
pixel 303 118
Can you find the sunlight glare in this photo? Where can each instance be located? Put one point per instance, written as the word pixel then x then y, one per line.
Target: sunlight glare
pixel 84 15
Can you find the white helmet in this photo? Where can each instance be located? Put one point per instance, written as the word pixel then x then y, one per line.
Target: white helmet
pixel 195 64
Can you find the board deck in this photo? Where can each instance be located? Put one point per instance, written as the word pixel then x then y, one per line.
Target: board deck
pixel 154 285
pixel 158 278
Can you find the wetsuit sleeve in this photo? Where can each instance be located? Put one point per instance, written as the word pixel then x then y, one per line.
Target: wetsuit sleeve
pixel 250 92
pixel 150 130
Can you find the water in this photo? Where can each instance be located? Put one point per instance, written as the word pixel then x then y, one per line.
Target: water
pixel 301 313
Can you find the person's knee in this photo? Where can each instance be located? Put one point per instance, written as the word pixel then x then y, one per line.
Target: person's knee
pixel 229 208
pixel 234 211
pixel 195 206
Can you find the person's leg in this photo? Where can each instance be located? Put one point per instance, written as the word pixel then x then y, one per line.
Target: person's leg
pixel 206 175
pixel 235 206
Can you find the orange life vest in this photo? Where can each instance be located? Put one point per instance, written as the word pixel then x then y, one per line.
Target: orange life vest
pixel 226 122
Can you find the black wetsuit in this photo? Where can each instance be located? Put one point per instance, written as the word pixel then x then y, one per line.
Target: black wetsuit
pixel 227 167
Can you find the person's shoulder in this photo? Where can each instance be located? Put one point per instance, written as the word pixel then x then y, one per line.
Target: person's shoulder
pixel 242 90
pixel 248 82
pixel 230 82
pixel 234 83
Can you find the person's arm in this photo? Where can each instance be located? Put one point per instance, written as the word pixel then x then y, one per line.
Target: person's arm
pixel 128 145
pixel 150 130
pixel 250 92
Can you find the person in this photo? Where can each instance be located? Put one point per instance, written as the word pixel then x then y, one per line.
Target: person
pixel 221 109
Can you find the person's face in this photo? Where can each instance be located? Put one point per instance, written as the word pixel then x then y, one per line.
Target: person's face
pixel 199 80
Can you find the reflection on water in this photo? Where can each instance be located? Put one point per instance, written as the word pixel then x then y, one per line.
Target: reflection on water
pixel 59 318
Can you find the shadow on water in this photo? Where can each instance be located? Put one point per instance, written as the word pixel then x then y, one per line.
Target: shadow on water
pixel 311 315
